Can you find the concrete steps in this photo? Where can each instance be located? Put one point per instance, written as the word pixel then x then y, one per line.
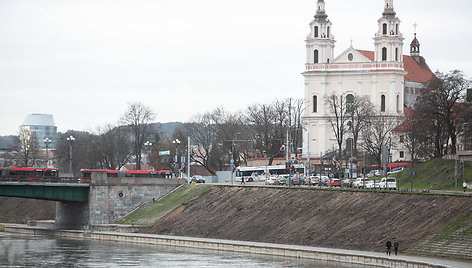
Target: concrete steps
pixel 458 244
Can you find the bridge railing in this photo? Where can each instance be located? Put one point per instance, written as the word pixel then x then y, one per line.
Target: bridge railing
pixel 40 179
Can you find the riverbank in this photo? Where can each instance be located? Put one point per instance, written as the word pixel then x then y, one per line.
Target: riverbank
pixel 315 253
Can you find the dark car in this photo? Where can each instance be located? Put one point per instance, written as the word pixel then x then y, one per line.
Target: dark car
pixel 296 180
pixel 346 183
pixel 280 181
pixel 197 179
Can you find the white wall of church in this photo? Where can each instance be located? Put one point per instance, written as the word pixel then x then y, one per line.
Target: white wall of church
pixel 371 85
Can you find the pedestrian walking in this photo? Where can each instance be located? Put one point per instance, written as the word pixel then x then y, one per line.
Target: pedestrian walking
pixel 395 246
pixel 389 246
pixel 465 186
pixel 242 180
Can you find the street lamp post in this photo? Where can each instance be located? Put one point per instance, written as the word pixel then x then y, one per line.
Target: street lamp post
pixel 47 141
pixel 176 142
pixel 70 139
pixel 148 145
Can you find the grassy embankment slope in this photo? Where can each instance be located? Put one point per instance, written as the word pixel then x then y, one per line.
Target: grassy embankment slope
pixel 153 211
pixel 436 174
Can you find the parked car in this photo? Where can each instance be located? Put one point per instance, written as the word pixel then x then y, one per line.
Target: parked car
pixel 280 180
pixel 359 183
pixel 395 170
pixel 270 180
pixel 374 173
pixel 346 183
pixel 324 180
pixel 314 180
pixel 369 184
pixel 306 180
pixel 197 179
pixel 296 180
pixel 334 183
pixel 388 183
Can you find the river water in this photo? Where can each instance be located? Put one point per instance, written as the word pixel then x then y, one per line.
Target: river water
pixel 43 251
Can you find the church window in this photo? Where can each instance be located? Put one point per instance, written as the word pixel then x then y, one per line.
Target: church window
pixel 397 29
pixel 315 104
pixel 350 56
pixel 402 138
pixel 349 103
pixel 384 28
pixel 396 54
pixel 382 103
pixel 315 55
pixel 398 103
pixel 316 31
pixel 384 53
pixel 327 34
pixel 402 154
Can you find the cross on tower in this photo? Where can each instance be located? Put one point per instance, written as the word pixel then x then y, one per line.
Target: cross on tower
pixel 415 25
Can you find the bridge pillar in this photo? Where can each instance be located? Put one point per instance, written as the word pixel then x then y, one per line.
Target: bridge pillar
pixel 71 215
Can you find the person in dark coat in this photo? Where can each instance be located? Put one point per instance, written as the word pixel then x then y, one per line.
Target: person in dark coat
pixel 389 246
pixel 395 246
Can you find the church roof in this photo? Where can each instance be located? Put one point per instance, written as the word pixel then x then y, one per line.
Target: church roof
pixel 416 71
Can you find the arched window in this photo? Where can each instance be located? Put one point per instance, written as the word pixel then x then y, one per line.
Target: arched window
pixel 315 56
pixel 315 104
pixel 398 103
pixel 327 34
pixel 349 103
pixel 316 31
pixel 382 103
pixel 396 54
pixel 384 53
pixel 397 29
pixel 384 28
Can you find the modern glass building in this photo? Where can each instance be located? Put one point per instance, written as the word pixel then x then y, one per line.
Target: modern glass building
pixel 43 126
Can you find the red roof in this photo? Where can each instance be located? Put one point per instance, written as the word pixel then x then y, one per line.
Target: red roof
pixel 416 71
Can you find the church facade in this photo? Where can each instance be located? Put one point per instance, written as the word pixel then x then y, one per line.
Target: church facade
pixel 389 79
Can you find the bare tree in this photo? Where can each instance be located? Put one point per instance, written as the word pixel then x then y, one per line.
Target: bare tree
pixel 113 143
pixel 138 119
pixel 377 134
pixel 261 119
pixel 441 100
pixel 27 148
pixel 202 131
pixel 359 111
pixel 338 118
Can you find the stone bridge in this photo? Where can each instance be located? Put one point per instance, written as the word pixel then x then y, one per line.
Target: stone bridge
pixel 103 201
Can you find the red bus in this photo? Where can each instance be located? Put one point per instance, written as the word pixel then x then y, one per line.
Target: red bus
pixel 149 173
pixel 29 174
pixel 86 174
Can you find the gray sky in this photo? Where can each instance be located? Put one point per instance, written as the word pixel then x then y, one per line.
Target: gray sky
pixel 83 61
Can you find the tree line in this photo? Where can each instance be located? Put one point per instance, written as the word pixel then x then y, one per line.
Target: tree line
pixel 216 136
pixel 219 137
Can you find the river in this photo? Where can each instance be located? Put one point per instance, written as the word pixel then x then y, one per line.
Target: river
pixel 43 251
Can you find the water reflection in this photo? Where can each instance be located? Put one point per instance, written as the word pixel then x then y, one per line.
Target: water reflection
pixel 42 251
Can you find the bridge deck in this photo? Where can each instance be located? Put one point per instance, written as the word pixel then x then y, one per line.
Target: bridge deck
pixel 75 192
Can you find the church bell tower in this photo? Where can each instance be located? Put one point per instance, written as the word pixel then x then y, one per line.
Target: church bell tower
pixel 320 41
pixel 389 39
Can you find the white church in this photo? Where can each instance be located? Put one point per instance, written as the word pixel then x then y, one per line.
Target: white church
pixel 388 78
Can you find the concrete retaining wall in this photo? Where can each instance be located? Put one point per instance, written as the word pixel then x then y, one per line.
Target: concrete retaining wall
pixel 112 198
pixel 289 251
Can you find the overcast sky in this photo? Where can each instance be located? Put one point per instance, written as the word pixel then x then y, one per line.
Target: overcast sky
pixel 84 61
